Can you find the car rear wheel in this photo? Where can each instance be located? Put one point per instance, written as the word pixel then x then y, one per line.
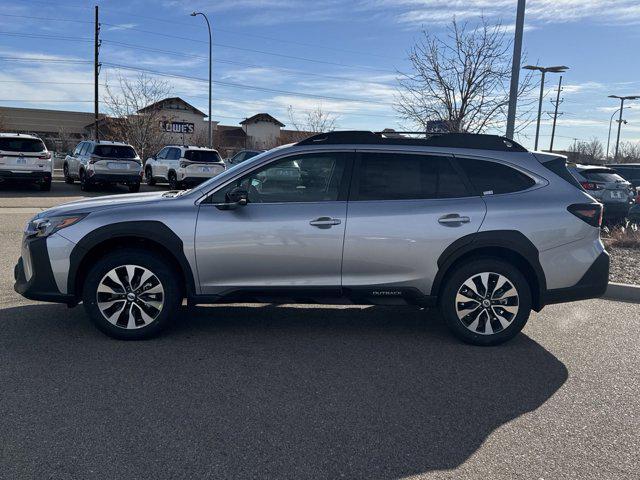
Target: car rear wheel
pixel 85 186
pixel 148 177
pixel 67 178
pixel 173 182
pixel 131 294
pixel 486 301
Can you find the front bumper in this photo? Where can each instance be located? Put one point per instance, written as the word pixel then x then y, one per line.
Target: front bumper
pixel 38 176
pixel 593 284
pixel 128 178
pixel 36 281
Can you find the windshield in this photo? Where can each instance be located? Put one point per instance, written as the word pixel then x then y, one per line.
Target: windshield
pixel 602 176
pixel 24 145
pixel 115 151
pixel 202 156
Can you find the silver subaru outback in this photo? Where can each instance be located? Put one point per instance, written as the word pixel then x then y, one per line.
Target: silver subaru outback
pixel 473 224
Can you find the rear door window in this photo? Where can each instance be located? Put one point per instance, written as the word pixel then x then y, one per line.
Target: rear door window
pixel 397 176
pixel 494 178
pixel 22 145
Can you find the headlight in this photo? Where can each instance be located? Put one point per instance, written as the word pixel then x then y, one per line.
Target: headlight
pixel 184 164
pixel 43 227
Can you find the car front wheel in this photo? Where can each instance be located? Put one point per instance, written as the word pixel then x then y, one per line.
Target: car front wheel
pixel 486 301
pixel 131 294
pixel 148 177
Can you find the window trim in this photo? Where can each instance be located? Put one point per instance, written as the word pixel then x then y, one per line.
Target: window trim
pixel 343 191
pixel 539 181
pixel 355 179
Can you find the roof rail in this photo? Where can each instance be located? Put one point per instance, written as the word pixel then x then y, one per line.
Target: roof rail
pixel 452 140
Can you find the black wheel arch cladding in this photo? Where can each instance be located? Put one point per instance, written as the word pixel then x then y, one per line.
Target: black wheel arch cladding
pixel 152 231
pixel 510 240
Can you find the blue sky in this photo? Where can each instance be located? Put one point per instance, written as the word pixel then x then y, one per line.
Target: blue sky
pixel 340 55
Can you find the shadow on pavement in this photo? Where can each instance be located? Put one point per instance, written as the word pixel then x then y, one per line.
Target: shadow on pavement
pixel 257 392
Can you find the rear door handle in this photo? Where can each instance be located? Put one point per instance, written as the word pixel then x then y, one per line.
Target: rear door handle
pixel 325 222
pixel 453 220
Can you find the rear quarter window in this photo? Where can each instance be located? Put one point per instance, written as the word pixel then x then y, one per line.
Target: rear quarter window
pixel 494 178
pixel 202 156
pixel 114 151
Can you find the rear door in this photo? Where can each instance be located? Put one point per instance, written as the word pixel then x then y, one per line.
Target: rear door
pixel 404 210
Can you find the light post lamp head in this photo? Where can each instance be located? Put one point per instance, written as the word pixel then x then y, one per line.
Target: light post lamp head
pixel 193 14
pixel 554 69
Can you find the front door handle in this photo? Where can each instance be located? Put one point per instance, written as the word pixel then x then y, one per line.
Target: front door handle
pixel 325 222
pixel 453 220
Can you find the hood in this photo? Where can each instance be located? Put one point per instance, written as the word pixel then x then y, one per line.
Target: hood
pixel 102 203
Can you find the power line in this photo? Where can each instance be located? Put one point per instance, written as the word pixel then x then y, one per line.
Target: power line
pixel 45 101
pixel 244 86
pixel 262 52
pixel 43 60
pixel 46 36
pixel 233 62
pixel 44 18
pixel 46 82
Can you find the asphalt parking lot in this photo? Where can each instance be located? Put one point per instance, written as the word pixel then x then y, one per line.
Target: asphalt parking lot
pixel 277 391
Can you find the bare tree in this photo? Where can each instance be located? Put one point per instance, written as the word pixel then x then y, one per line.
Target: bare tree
pixel 590 151
pixel 135 104
pixel 461 80
pixel 311 122
pixel 629 152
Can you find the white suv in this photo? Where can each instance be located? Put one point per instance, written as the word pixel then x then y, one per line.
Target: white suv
pixel 183 165
pixel 24 158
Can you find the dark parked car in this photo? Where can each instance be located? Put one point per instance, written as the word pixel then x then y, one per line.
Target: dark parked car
pixel 242 156
pixel 629 171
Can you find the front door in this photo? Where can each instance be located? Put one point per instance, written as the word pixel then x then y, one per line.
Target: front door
pixel 289 235
pixel 404 211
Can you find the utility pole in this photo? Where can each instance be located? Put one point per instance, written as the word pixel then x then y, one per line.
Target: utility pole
pixel 515 70
pixel 96 72
pixel 555 113
pixel 622 99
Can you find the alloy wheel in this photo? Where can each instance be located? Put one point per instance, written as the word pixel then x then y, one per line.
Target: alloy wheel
pixel 130 297
pixel 487 303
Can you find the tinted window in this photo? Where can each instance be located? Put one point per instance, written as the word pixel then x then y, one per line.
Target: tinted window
pixel 392 176
pixel 302 178
pixel 492 177
pixel 85 148
pixel 173 154
pixel 24 145
pixel 162 154
pixel 202 156
pixel 78 149
pixel 601 176
pixel 115 151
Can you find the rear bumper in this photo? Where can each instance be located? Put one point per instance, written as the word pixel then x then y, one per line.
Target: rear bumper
pixel 194 180
pixel 127 178
pixel 593 284
pixel 39 176
pixel 41 284
pixel 616 210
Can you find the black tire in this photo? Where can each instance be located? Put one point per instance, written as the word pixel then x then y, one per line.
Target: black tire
pixel 164 273
pixel 45 186
pixel 134 187
pixel 67 178
pixel 148 177
pixel 85 186
pixel 174 184
pixel 476 333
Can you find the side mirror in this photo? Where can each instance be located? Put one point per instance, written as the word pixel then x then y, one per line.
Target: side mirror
pixel 238 197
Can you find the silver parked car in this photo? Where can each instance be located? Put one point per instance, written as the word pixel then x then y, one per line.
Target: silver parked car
pixel 24 159
pixel 474 224
pixel 606 186
pixel 103 163
pixel 183 166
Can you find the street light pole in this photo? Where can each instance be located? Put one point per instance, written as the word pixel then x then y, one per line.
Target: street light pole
pixel 622 99
pixel 515 70
pixel 609 136
pixel 543 71
pixel 210 138
pixel 555 114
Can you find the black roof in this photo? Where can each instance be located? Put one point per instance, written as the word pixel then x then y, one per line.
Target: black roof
pixel 451 140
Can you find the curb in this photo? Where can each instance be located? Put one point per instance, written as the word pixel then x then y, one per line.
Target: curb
pixel 622 292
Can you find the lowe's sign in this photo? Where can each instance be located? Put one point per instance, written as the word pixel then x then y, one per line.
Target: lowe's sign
pixel 177 127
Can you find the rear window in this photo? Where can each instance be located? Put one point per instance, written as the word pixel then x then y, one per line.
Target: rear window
pixel 391 176
pixel 495 178
pixel 202 156
pixel 114 151
pixel 24 145
pixel 601 176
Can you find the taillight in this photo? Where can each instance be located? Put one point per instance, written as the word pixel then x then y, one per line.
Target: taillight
pixel 590 186
pixel 45 156
pixel 590 213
